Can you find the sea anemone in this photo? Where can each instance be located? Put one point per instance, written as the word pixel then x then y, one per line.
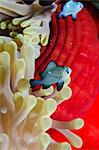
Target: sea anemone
pixel 30 119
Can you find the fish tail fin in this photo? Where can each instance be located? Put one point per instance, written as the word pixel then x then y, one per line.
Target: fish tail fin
pixel 35 83
pixel 59 15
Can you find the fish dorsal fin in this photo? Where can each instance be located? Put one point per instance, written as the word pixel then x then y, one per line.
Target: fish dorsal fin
pixel 50 66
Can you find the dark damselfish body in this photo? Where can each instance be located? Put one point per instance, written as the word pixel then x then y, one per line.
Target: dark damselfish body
pixel 53 74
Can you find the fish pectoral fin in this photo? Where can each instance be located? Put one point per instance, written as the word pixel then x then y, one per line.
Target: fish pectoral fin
pixel 74 16
pixel 45 86
pixel 59 85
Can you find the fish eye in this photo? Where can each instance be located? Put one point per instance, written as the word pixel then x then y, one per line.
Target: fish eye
pixel 66 70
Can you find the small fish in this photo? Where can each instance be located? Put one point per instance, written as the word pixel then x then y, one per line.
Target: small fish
pixel 52 74
pixel 71 8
